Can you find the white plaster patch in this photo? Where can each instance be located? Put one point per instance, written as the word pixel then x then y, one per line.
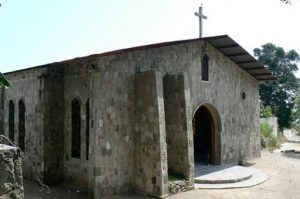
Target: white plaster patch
pixel 107 146
pixel 126 138
pixel 100 123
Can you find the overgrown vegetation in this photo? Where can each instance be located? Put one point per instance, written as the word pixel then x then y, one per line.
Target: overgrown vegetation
pixel 265 130
pixel 3 81
pixel 268 140
pixel 266 112
pixel 296 115
pixel 280 93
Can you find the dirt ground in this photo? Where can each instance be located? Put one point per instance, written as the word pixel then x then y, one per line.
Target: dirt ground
pixel 283 170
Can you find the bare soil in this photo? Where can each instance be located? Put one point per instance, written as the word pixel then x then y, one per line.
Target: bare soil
pixel 283 170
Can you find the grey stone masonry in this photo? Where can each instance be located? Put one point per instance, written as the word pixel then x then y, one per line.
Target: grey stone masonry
pixel 178 126
pixel 52 96
pixel 1 110
pixel 150 135
pixel 11 180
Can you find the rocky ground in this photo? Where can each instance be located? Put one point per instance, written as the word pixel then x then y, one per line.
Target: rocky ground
pixel 282 168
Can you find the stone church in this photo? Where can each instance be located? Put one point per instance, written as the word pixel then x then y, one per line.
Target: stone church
pixel 123 121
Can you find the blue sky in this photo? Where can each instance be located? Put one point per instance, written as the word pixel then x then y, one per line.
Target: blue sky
pixel 39 32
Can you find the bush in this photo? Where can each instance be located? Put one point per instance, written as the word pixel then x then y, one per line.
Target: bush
pixel 266 112
pixel 265 130
pixel 268 140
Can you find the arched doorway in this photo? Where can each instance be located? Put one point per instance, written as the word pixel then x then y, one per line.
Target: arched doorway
pixel 206 136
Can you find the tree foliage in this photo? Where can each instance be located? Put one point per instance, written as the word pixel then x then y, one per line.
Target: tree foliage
pixel 279 94
pixel 286 1
pixel 3 81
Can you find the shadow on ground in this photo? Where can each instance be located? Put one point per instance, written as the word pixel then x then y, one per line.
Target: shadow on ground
pixel 32 191
pixel 292 155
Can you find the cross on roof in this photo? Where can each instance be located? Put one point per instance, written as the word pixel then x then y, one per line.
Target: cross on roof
pixel 201 16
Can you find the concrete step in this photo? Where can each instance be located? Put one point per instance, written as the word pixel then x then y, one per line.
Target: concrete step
pixel 223 175
pixel 227 176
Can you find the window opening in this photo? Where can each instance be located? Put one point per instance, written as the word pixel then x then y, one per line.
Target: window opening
pixel 76 120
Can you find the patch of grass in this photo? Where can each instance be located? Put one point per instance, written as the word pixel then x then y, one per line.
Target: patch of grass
pixel 268 140
pixel 273 143
pixel 265 130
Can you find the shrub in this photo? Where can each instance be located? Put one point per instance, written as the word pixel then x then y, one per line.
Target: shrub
pixel 272 143
pixel 266 112
pixel 265 130
pixel 268 140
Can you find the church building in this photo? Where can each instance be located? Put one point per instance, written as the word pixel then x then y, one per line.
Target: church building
pixel 124 120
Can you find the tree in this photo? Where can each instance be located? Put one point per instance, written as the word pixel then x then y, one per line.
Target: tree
pixel 3 81
pixel 286 1
pixel 279 94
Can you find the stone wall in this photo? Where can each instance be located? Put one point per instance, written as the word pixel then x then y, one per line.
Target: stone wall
pixel 239 118
pixel 11 180
pixel 112 84
pixel 238 123
pixel 52 97
pixel 178 127
pixel 27 86
pixel 151 168
pixel 2 110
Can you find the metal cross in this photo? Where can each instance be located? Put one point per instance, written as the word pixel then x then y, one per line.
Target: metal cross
pixel 201 16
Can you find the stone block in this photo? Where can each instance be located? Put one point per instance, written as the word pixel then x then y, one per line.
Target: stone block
pixel 11 179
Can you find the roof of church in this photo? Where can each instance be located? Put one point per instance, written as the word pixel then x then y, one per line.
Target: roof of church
pixel 240 56
pixel 223 43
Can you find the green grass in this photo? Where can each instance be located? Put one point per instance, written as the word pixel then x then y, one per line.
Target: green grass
pixel 269 141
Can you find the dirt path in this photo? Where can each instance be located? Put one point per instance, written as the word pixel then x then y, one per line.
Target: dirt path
pixel 283 170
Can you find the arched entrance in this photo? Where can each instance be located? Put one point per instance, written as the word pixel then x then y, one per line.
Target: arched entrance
pixel 206 135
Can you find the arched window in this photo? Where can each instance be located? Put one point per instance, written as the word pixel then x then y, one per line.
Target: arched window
pixel 22 125
pixel 11 120
pixel 76 125
pixel 204 67
pixel 87 128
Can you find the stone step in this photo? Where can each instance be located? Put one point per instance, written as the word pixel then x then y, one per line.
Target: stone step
pixel 227 176
pixel 222 175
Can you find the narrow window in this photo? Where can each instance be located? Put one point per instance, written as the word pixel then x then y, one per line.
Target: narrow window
pixel 204 68
pixel 22 125
pixel 76 119
pixel 11 120
pixel 87 130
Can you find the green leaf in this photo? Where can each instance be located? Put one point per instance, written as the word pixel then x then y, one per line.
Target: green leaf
pixel 4 82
